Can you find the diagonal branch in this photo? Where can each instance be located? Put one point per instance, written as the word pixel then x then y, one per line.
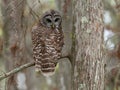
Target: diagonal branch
pixel 5 75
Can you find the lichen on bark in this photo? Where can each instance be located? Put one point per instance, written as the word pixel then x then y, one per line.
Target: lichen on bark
pixel 89 58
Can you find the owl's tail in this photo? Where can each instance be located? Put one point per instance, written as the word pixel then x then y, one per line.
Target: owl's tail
pixel 45 67
pixel 48 68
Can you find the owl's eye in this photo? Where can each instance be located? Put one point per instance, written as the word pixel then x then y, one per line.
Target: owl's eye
pixel 48 20
pixel 57 19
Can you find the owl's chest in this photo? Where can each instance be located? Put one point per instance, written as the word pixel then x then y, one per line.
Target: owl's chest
pixel 50 36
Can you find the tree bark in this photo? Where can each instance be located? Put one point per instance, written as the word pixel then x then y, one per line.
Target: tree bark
pixel 14 36
pixel 88 45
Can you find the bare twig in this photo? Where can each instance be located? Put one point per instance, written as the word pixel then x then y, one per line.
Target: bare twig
pixel 5 75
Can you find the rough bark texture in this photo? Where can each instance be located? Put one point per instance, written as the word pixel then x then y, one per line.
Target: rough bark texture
pixel 89 56
pixel 14 34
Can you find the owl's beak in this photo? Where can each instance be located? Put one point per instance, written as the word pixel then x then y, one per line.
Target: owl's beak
pixel 53 26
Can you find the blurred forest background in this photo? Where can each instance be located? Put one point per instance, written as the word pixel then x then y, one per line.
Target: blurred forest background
pixel 17 17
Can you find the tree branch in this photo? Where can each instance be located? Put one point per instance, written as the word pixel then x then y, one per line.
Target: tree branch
pixel 5 75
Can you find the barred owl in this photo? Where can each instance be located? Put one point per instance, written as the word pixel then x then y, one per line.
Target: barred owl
pixel 47 40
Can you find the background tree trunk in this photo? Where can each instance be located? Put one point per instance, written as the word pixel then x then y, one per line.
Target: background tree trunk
pixel 14 32
pixel 88 54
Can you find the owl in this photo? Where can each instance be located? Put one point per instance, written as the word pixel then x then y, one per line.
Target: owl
pixel 47 40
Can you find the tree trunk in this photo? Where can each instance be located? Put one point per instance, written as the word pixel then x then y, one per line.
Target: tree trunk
pixel 14 37
pixel 88 45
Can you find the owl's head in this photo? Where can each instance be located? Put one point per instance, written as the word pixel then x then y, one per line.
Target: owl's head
pixel 51 19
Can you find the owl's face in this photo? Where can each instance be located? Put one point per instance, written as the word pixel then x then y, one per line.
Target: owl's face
pixel 51 19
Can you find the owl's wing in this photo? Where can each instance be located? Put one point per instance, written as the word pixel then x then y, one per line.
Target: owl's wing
pixel 36 45
pixel 34 33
